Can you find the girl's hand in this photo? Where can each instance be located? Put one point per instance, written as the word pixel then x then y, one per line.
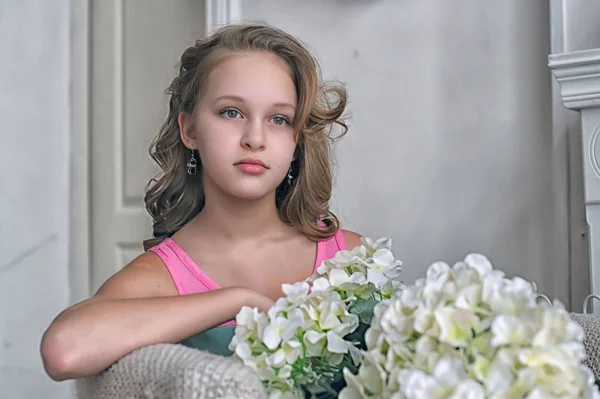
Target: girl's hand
pixel 255 299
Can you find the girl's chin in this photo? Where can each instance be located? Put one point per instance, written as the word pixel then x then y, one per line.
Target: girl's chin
pixel 251 194
pixel 245 189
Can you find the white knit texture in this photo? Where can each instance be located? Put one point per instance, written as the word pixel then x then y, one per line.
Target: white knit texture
pixel 591 342
pixel 168 371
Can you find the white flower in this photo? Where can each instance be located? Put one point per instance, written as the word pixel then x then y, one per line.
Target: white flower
pixel 500 374
pixel 557 327
pixel 468 389
pixel 286 354
pixel 249 322
pixel 345 258
pixel 321 284
pixel 315 342
pixel 372 246
pixel 338 277
pixel 510 330
pixel 280 328
pixel 248 317
pixel 480 263
pixel 469 332
pixel 296 292
pixel 416 385
pixel 384 267
pixel 371 378
pixel 361 271
pixel 456 325
pixel 507 296
pixel 243 351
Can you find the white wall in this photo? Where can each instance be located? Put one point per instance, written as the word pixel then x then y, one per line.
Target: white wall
pixel 34 188
pixel 450 145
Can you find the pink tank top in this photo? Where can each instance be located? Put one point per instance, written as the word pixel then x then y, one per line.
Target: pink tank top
pixel 190 279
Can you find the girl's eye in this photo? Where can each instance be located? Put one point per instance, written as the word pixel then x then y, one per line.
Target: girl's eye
pixel 230 113
pixel 280 120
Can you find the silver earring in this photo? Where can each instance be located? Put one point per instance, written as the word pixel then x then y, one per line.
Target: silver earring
pixel 192 165
pixel 289 176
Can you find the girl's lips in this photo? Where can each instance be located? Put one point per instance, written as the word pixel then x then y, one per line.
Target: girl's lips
pixel 251 168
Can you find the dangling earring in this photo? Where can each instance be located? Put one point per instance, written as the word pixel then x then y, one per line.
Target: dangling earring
pixel 192 165
pixel 289 176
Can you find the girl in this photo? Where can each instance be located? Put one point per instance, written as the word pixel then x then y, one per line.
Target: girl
pixel 240 208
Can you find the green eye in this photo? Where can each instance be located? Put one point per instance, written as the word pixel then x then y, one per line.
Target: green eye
pixel 280 120
pixel 230 113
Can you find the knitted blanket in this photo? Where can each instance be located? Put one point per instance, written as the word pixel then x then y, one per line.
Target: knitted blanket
pixel 591 327
pixel 167 371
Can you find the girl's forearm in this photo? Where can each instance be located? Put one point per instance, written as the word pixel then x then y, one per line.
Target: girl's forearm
pixel 89 337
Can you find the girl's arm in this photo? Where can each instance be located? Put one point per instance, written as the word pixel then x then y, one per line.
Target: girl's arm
pixel 138 306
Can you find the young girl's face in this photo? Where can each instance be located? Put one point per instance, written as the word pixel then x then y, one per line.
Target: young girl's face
pixel 243 127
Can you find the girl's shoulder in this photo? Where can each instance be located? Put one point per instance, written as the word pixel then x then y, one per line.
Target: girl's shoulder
pixel 145 276
pixel 351 238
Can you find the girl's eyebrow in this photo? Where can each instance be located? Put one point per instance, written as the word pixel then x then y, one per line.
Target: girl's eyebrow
pixel 230 97
pixel 242 100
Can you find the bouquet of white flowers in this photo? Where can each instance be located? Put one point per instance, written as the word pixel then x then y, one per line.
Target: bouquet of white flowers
pixel 311 335
pixel 470 332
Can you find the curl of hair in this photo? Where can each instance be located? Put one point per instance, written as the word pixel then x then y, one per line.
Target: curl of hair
pixel 174 197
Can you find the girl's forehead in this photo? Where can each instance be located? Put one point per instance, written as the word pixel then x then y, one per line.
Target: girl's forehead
pixel 253 73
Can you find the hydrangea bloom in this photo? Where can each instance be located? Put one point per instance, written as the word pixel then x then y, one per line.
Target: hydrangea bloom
pixel 309 336
pixel 469 332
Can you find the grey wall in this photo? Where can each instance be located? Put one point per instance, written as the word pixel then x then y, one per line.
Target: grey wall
pixel 581 30
pixel 34 188
pixel 450 146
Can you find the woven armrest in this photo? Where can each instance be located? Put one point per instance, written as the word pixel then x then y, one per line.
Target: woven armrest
pixel 169 371
pixel 591 327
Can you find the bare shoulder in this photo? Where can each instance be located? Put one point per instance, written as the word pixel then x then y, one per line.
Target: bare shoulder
pixel 145 276
pixel 352 239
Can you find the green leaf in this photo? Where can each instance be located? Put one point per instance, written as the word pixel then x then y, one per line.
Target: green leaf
pixel 358 335
pixel 363 308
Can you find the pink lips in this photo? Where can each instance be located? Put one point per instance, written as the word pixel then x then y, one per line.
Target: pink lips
pixel 251 166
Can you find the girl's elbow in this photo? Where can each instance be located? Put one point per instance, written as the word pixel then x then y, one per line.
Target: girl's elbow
pixel 59 356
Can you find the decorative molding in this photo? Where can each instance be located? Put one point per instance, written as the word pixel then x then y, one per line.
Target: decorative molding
pixel 594 149
pixel 79 240
pixel 578 74
pixel 558 20
pixel 221 12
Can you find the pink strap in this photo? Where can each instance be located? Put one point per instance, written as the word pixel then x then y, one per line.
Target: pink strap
pixel 328 248
pixel 188 277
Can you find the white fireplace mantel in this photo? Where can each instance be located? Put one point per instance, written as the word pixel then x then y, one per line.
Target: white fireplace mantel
pixel 578 74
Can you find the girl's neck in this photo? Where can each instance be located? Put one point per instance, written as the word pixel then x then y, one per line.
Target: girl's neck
pixel 238 219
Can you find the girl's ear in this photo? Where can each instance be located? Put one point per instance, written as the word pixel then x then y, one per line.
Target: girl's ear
pixel 187 130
